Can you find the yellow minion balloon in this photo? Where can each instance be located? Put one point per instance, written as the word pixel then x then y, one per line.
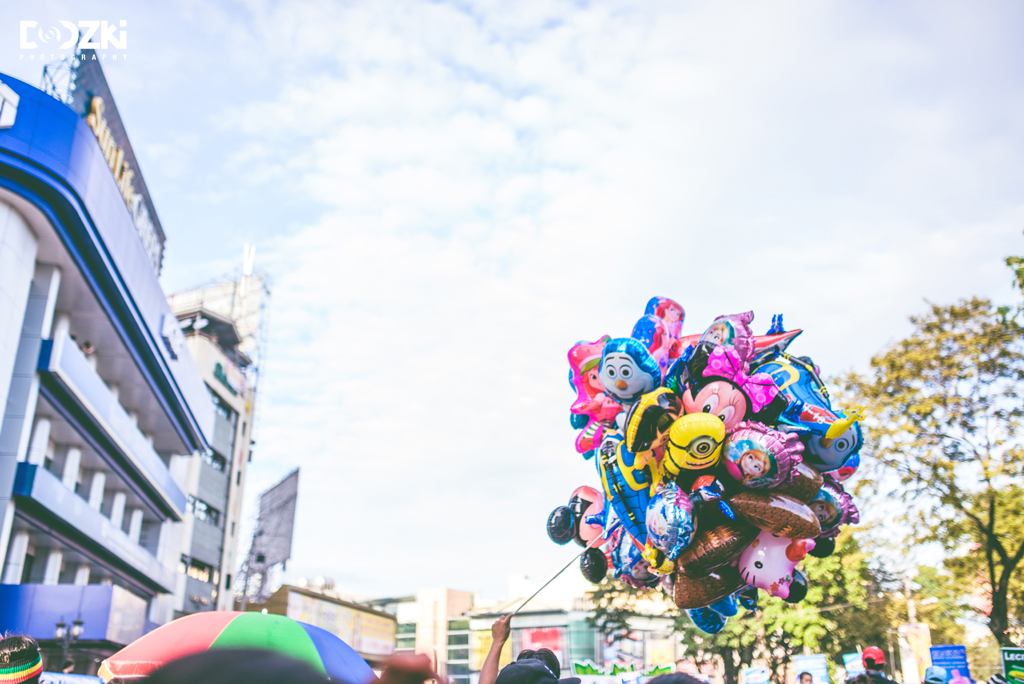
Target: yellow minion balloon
pixel 694 443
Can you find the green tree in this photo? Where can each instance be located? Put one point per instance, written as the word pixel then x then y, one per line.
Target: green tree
pixel 944 417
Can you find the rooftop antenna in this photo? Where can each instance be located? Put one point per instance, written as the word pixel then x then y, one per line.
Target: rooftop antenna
pixel 248 258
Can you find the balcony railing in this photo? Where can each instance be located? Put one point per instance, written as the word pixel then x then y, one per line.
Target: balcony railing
pixel 78 392
pixel 48 503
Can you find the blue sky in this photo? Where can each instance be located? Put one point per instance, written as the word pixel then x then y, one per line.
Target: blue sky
pixel 449 195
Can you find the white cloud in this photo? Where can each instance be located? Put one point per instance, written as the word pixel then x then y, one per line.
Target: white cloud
pixel 449 196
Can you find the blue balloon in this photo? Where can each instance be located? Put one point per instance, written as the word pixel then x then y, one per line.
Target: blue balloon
pixel 707 620
pixel 670 520
pixel 726 607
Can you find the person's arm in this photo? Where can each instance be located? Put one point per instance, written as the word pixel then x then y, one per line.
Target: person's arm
pixel 499 632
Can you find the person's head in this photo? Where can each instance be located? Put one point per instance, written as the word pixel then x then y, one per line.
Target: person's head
pixel 544 655
pixel 675 678
pixel 236 666
pixel 935 675
pixel 531 670
pixel 805 678
pixel 20 662
pixel 873 659
pixel 862 679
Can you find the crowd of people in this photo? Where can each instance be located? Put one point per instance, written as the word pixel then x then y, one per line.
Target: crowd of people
pixel 21 663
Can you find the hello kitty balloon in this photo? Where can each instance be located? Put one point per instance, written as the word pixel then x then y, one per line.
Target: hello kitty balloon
pixel 769 561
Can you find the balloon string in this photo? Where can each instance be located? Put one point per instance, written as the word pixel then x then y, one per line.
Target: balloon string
pixel 589 546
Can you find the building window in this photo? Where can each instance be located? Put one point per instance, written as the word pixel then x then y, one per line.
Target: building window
pixel 227 582
pixel 215 460
pixel 232 529
pixel 183 564
pixel 405 642
pixel 455 669
pixel 199 571
pixel 458 654
pixel 458 625
pixel 203 511
pixel 222 407
pixel 238 478
pixel 458 640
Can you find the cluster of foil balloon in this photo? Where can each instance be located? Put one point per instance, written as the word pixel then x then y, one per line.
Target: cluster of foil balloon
pixel 720 458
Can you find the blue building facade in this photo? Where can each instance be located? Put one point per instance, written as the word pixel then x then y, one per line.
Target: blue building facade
pixel 98 390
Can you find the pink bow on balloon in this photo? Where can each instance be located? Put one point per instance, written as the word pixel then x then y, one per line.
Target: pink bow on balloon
pixel 725 362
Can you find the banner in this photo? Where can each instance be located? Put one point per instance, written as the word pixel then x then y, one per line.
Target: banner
pixel 816 665
pixel 1013 665
pixel 755 675
pixel 954 660
pixel 854 665
pixel 915 640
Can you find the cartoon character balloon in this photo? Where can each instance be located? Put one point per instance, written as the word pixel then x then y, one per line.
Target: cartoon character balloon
pixel 769 561
pixel 833 507
pixel 722 387
pixel 694 443
pixel 628 371
pixel 758 457
pixel 593 404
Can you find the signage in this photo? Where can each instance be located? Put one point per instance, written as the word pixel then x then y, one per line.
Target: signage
pixel 915 640
pixel 480 645
pixel 816 665
pixel 1013 665
pixel 755 675
pixel 854 664
pixel 93 100
pixel 123 176
pixel 588 668
pixel 8 105
pixel 954 660
pixel 542 637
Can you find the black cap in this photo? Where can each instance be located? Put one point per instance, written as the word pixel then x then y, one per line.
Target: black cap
pixel 531 671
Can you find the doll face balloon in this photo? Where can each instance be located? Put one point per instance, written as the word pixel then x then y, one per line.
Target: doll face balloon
pixel 769 561
pixel 759 457
pixel 670 520
pixel 833 507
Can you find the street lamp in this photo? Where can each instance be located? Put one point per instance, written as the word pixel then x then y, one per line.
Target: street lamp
pixel 65 636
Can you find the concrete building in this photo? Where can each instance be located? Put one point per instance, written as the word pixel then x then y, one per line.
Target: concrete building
pixel 99 392
pixel 221 324
pixel 453 628
pixel 371 632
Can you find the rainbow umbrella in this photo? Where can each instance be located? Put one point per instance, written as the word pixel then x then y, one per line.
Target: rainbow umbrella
pixel 229 629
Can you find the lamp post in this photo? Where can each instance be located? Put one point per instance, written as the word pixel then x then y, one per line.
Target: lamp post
pixel 66 636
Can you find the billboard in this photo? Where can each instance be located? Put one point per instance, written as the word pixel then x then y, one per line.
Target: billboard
pixel 1013 665
pixel 277 519
pixel 365 631
pixel 542 637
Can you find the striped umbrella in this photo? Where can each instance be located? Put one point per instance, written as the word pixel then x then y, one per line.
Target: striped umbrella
pixel 229 629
